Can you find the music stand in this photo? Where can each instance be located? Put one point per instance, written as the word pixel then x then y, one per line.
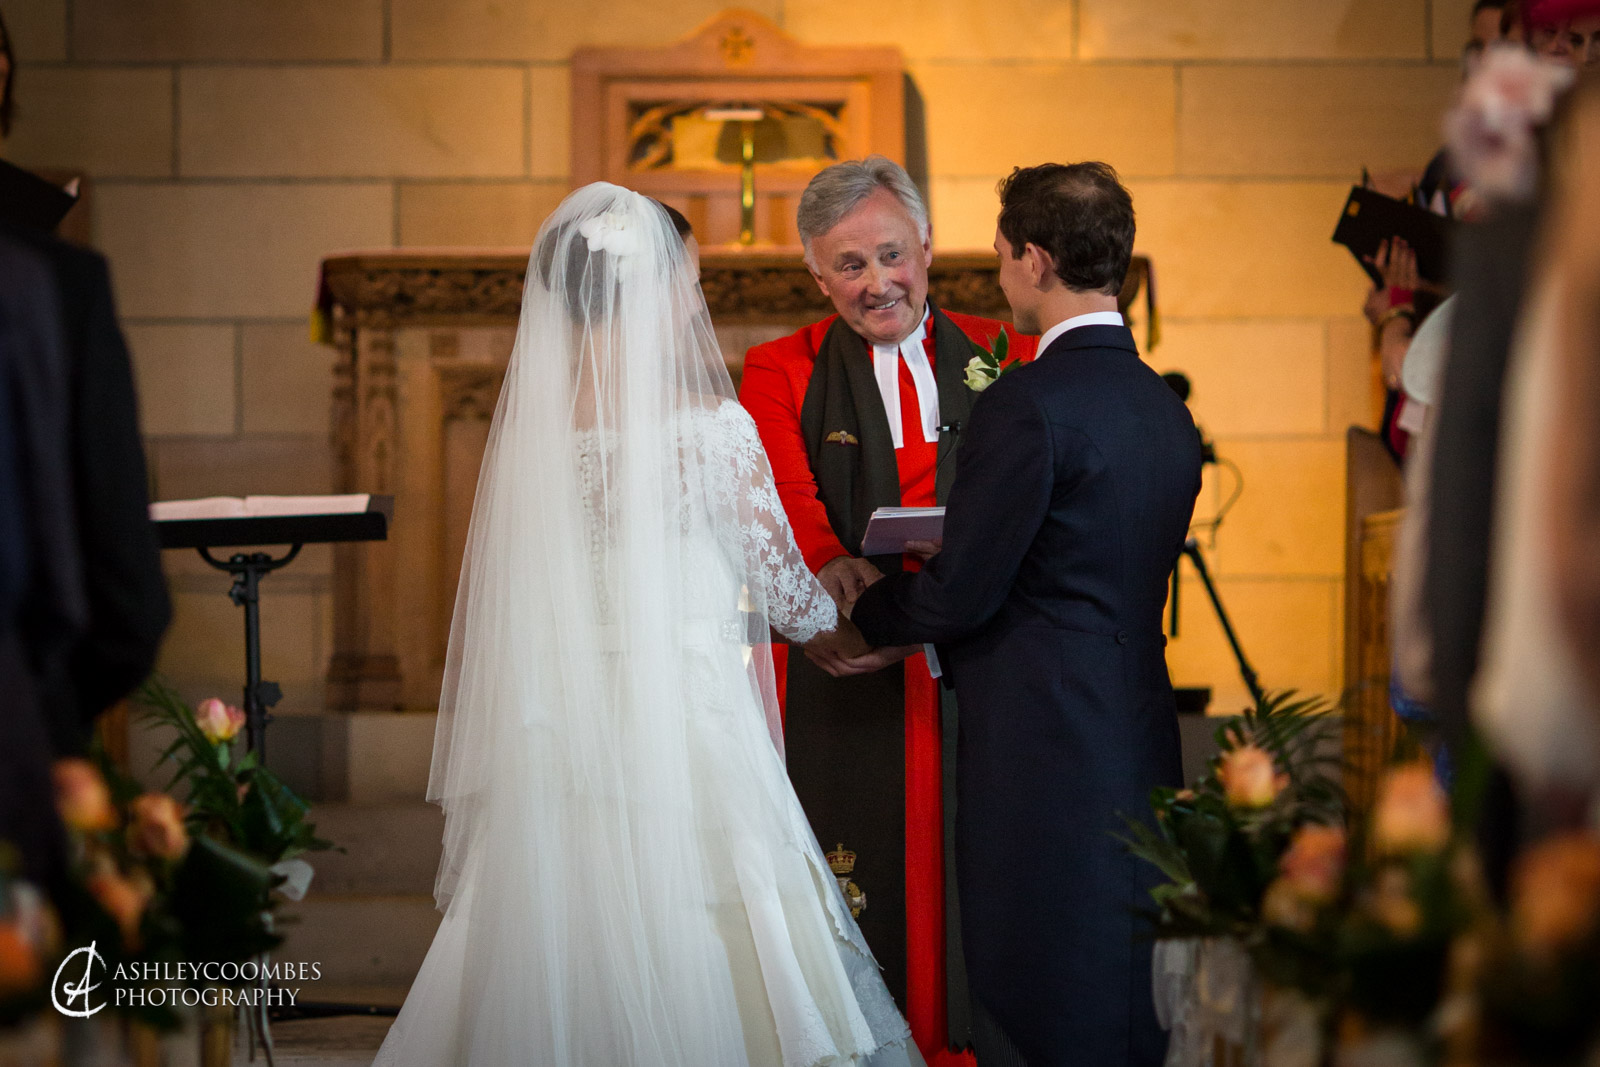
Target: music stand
pixel 248 568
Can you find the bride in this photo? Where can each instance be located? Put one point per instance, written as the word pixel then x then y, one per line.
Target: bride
pixel 627 877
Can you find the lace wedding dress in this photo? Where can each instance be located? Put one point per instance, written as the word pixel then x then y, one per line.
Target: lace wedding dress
pixel 628 878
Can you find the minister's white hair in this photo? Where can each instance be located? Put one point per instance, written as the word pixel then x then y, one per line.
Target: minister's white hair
pixel 840 189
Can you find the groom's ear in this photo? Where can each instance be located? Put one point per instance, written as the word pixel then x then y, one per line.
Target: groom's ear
pixel 1041 265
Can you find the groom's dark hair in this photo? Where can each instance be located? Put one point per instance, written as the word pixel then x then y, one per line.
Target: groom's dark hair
pixel 1079 213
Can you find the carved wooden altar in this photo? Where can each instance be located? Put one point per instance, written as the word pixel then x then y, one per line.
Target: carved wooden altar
pixel 423 340
pixel 643 116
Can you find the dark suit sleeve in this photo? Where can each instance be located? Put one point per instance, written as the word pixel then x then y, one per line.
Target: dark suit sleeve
pixel 128 604
pixel 1005 475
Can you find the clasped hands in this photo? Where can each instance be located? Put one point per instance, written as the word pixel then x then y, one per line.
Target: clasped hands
pixel 843 652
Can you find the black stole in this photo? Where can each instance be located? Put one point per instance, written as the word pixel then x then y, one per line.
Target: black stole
pixel 846 736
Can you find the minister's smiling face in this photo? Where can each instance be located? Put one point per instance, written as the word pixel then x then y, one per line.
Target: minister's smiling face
pixel 873 265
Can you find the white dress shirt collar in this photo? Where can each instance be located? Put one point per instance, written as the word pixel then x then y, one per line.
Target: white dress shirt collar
pixel 1093 318
pixel 886 368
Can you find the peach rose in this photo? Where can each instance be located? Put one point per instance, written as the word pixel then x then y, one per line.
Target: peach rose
pixel 1314 862
pixel 218 721
pixel 1412 813
pixel 82 797
pixel 157 828
pixel 1555 900
pixel 1249 778
pixel 124 899
pixel 20 967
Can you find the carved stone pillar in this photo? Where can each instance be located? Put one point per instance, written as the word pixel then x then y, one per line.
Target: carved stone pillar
pixel 364 671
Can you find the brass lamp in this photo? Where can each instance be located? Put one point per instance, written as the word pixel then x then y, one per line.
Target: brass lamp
pixel 747 119
pixel 744 135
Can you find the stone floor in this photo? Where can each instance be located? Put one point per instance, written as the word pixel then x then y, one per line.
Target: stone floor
pixel 348 1041
pixel 337 1041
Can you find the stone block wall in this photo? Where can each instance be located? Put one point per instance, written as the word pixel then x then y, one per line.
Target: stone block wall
pixel 232 143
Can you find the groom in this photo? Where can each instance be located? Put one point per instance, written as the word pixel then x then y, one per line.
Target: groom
pixel 1074 488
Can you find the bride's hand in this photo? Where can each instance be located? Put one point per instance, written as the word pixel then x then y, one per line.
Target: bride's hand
pixel 831 648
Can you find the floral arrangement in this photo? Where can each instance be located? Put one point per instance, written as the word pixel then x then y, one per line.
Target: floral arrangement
pixel 1362 937
pixel 1529 979
pixel 231 797
pixel 1330 943
pixel 148 890
pixel 987 365
pixel 155 880
pixel 1221 842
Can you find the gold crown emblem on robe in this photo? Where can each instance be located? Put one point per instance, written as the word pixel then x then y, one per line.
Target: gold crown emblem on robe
pixel 842 861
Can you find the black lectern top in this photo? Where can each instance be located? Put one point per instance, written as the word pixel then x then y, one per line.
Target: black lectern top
pixel 371 524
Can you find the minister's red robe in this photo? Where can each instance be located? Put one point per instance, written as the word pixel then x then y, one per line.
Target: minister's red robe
pixel 777 377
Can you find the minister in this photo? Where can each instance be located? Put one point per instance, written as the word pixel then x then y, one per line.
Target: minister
pixel 859 411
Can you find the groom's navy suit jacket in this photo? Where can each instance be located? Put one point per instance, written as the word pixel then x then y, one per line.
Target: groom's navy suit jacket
pixel 1076 481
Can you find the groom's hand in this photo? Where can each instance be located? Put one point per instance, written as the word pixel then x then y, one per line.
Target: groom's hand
pixel 845 577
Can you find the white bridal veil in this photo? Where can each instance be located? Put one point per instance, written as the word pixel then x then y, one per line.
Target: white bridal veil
pixel 622 568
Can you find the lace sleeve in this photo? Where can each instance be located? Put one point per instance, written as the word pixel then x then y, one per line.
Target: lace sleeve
pixel 754 530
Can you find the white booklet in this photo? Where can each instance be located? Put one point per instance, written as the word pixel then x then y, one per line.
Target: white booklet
pixel 258 507
pixel 890 528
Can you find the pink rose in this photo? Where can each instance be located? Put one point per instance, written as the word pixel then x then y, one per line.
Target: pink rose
pixel 157 827
pixel 82 797
pixel 218 721
pixel 1411 813
pixel 1249 777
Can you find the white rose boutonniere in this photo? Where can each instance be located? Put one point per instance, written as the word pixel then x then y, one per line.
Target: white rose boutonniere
pixel 979 376
pixel 985 368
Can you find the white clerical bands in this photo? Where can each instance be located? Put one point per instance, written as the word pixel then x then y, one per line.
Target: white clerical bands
pixel 886 367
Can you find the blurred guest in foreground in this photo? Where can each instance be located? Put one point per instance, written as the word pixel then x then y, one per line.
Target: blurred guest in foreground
pixel 112 539
pixel 1495 145
pixel 42 604
pixel 1531 698
pixel 1575 474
